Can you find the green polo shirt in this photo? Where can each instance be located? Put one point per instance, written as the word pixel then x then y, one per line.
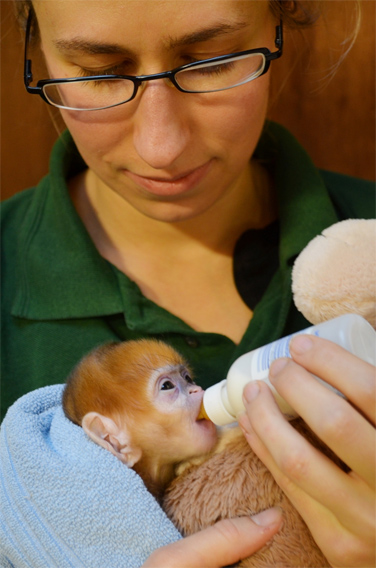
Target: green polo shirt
pixel 60 298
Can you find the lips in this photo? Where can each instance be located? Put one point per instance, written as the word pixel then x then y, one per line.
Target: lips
pixel 165 186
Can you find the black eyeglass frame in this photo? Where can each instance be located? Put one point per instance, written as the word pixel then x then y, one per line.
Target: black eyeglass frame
pixel 139 79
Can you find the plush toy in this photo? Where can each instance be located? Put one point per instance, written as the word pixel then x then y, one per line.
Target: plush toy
pixel 334 274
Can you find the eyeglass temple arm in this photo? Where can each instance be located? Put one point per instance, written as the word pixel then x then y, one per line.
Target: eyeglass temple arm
pixel 28 75
pixel 278 41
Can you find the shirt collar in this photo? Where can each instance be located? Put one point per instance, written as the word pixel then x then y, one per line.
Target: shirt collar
pixel 305 208
pixel 60 272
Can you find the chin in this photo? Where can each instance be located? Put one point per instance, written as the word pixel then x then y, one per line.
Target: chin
pixel 172 212
pixel 207 436
pixel 172 209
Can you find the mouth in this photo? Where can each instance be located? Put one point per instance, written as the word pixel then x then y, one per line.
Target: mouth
pixel 170 186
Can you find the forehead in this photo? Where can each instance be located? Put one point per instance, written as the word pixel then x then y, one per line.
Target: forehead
pixel 147 354
pixel 142 22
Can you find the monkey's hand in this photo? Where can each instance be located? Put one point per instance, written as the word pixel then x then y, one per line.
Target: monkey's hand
pixel 224 543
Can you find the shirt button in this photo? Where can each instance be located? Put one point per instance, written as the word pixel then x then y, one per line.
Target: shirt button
pixel 191 341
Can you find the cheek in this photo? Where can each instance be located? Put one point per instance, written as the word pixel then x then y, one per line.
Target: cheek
pixel 96 133
pixel 238 123
pixel 203 439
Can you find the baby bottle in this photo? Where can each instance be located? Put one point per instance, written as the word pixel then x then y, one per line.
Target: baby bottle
pixel 223 401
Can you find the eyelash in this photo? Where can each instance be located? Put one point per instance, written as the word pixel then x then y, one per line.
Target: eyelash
pixel 92 72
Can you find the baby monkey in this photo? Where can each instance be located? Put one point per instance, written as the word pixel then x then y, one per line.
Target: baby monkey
pixel 137 399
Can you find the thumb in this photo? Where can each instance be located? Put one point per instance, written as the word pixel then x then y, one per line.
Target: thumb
pixel 224 543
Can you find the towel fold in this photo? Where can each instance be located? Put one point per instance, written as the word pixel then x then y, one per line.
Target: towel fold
pixel 66 502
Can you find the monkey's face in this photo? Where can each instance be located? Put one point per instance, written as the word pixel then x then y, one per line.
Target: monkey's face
pixel 177 402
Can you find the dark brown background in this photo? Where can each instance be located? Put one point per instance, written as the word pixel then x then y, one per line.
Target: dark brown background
pixel 333 117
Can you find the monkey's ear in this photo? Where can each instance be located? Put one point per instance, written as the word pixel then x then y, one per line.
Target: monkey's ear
pixel 105 432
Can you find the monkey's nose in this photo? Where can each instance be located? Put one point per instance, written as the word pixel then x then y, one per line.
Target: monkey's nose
pixel 192 389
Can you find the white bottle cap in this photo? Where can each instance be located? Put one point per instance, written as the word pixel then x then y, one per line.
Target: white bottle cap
pixel 214 398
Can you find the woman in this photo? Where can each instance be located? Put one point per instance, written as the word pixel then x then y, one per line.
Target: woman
pixel 180 217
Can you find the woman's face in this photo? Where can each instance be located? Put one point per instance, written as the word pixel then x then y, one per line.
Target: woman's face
pixel 171 155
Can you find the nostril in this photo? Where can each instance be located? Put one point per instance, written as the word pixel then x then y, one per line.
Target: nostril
pixel 194 389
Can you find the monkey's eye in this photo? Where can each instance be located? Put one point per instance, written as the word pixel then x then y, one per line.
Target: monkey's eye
pixel 167 385
pixel 188 378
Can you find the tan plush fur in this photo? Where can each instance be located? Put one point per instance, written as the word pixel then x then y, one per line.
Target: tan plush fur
pixel 232 482
pixel 336 273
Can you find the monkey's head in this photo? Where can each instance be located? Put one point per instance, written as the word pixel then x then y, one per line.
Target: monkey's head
pixel 137 399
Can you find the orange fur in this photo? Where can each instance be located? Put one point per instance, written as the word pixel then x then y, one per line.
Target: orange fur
pixel 113 377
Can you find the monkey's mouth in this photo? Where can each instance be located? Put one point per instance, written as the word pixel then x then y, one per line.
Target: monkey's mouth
pixel 202 414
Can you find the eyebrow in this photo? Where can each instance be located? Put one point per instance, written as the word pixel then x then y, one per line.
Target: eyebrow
pixel 80 45
pixel 77 44
pixel 206 34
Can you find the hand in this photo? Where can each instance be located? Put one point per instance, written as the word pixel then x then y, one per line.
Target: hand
pixel 224 543
pixel 338 507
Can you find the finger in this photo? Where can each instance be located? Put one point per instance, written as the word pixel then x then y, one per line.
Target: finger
pixel 352 546
pixel 355 378
pixel 345 431
pixel 316 516
pixel 226 542
pixel 302 466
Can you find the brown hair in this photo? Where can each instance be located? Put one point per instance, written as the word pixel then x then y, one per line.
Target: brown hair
pixel 296 13
pixel 22 8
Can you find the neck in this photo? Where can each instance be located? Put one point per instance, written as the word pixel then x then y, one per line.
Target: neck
pixel 155 476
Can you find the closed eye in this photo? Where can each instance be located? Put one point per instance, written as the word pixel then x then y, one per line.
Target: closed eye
pixel 217 69
pixel 116 70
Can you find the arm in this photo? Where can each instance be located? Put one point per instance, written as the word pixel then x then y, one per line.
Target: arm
pixel 337 507
pixel 224 543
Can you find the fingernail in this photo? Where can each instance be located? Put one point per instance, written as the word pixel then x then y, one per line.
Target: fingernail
pixel 277 366
pixel 301 343
pixel 268 517
pixel 251 391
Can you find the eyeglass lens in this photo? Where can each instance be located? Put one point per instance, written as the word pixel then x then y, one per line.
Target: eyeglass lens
pixel 209 77
pixel 224 75
pixel 89 95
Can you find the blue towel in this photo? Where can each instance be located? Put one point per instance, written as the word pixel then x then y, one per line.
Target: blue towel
pixel 66 502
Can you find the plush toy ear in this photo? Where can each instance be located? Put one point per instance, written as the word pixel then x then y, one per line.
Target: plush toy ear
pixel 106 433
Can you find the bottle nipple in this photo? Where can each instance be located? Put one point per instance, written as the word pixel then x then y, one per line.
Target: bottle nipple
pixel 202 414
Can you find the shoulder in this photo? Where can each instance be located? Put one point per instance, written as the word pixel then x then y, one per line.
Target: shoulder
pixel 352 197
pixel 16 203
pixel 65 162
pixel 14 212
pixel 19 210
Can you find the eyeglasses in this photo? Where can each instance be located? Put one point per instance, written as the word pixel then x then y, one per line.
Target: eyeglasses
pixel 97 92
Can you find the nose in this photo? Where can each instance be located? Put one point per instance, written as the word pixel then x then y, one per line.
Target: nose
pixel 161 132
pixel 195 389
